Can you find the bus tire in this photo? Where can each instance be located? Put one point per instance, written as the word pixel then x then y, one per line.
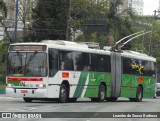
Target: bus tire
pixel 72 99
pixel 102 93
pixel 94 99
pixel 139 94
pixel 132 99
pixel 27 99
pixel 63 94
pixel 111 99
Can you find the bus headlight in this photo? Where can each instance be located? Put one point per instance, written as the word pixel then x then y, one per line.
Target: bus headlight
pixel 41 85
pixel 9 85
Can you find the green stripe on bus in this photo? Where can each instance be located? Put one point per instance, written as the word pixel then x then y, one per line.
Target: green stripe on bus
pixel 80 85
pixel 15 83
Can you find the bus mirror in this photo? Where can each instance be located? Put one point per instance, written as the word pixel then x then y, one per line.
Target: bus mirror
pixel 3 58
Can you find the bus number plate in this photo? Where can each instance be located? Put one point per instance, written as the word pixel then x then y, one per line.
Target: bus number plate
pixel 24 91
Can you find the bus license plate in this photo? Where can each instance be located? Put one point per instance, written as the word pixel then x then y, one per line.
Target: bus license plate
pixel 24 91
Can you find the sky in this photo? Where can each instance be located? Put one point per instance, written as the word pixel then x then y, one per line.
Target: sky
pixel 150 6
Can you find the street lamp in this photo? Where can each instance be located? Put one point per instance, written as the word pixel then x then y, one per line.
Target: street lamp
pixel 15 28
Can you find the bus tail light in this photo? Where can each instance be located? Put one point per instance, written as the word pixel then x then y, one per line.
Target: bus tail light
pixel 10 85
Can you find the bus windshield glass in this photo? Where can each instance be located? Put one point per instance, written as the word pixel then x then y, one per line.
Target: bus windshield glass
pixel 29 64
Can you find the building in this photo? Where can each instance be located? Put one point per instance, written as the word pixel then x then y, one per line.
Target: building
pixel 24 6
pixel 135 5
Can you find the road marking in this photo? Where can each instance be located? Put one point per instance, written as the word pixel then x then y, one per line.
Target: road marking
pixel 8 97
pixel 23 109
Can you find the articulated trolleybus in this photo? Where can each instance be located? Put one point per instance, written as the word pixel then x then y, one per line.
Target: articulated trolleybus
pixel 65 71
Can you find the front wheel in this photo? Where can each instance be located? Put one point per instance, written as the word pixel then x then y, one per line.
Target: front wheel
pixel 63 95
pixel 27 99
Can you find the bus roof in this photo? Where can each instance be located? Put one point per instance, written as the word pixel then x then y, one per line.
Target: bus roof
pixel 137 55
pixel 66 45
pixel 82 47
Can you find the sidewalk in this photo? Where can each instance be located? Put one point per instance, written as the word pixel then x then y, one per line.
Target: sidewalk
pixel 3 95
pixel 2 91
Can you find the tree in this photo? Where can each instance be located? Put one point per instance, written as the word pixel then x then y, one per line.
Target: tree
pixel 3 10
pixel 49 19
pixel 3 15
pixel 3 43
pixel 119 24
pixel 25 15
pixel 89 12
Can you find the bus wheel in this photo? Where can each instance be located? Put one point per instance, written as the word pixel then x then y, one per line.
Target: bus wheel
pixel 27 99
pixel 72 99
pixel 111 99
pixel 132 99
pixel 63 94
pixel 139 94
pixel 102 93
pixel 94 99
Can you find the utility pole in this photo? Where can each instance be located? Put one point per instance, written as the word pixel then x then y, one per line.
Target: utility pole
pixel 68 20
pixel 15 27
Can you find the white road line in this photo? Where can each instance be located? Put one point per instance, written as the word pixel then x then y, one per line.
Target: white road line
pixel 8 98
pixel 23 109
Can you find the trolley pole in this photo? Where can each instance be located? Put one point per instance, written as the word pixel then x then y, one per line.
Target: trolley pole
pixel 15 27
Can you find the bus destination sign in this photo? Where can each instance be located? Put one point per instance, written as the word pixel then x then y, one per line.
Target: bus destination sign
pixel 27 48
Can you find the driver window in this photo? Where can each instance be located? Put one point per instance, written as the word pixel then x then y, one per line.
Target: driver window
pixel 53 62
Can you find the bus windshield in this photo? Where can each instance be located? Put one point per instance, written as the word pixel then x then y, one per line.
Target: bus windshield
pixel 29 64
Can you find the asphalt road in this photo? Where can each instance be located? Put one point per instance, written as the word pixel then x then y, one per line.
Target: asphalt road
pixel 8 104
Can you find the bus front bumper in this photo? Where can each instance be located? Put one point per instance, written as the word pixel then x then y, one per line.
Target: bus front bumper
pixel 22 92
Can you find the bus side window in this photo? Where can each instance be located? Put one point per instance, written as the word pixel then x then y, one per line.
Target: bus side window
pixel 77 61
pixel 86 62
pixel 66 60
pixel 101 65
pixel 53 62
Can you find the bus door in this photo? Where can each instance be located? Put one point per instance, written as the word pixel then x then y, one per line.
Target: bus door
pixel 116 72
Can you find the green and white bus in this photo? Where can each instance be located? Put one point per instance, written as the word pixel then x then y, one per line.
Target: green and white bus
pixel 65 71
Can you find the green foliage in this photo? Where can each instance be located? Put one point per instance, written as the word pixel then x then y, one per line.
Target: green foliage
pixel 3 59
pixel 85 10
pixel 93 37
pixel 49 19
pixel 118 25
pixel 3 10
pixel 49 22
